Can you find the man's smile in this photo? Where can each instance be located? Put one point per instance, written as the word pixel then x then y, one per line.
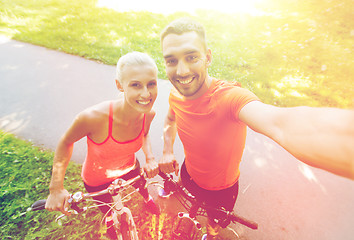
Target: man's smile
pixel 185 81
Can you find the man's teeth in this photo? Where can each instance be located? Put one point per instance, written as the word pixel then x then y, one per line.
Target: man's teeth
pixel 144 102
pixel 185 81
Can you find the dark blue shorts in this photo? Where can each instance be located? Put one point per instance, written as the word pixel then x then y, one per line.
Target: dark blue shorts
pixel 225 198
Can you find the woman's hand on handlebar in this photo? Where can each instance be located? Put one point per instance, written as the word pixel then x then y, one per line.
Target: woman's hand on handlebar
pixel 58 201
pixel 168 163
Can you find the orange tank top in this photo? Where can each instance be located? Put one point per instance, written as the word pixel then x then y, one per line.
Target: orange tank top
pixel 212 135
pixel 110 159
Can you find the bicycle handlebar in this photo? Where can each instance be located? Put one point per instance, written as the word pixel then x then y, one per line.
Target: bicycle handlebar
pixel 172 186
pixel 78 197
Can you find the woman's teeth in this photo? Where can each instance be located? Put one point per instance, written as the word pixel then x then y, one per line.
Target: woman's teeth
pixel 144 102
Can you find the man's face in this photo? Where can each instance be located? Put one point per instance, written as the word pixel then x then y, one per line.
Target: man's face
pixel 186 63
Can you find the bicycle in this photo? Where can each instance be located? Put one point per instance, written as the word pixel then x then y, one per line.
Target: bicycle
pixel 124 224
pixel 187 225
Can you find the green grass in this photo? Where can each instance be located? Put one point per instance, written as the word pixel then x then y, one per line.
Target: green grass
pixel 295 55
pixel 25 174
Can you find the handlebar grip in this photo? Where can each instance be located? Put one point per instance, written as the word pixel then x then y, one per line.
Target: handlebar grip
pixel 38 205
pixel 244 221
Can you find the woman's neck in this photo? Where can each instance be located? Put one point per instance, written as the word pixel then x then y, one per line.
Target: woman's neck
pixel 126 114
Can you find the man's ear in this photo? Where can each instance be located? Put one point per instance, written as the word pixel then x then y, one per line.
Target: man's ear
pixel 119 86
pixel 208 57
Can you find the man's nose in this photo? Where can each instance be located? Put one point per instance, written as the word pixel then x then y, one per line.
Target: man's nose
pixel 182 68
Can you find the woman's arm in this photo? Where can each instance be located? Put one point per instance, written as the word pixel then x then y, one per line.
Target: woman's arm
pixel 58 195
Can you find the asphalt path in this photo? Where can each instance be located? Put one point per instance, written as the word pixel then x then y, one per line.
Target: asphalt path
pixel 42 90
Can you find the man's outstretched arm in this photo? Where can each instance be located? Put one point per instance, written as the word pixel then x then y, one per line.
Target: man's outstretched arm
pixel 320 137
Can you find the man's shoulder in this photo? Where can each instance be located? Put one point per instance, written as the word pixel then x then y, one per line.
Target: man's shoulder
pixel 222 88
pixel 220 84
pixel 232 91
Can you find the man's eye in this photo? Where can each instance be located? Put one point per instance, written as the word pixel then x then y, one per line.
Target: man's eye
pixel 134 85
pixel 171 62
pixel 192 58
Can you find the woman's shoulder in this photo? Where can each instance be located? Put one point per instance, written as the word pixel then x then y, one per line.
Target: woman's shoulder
pixel 96 112
pixel 148 119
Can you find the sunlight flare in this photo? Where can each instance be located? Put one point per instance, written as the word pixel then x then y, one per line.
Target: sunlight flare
pixel 160 6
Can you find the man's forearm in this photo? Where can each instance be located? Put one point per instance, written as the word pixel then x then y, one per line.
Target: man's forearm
pixel 321 137
pixel 169 135
pixel 147 149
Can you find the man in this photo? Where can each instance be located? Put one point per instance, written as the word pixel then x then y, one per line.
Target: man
pixel 211 116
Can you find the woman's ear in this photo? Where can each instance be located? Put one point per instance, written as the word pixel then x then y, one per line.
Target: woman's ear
pixel 119 86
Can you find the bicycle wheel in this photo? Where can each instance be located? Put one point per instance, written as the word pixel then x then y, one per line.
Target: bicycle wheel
pixel 184 229
pixel 180 236
pixel 226 234
pixel 124 229
pixel 124 224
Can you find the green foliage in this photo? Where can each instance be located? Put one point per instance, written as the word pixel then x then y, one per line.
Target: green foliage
pixel 294 54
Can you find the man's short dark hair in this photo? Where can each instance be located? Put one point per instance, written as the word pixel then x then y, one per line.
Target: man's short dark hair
pixel 183 25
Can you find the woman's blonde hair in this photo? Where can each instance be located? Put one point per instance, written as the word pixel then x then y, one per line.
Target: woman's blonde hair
pixel 133 59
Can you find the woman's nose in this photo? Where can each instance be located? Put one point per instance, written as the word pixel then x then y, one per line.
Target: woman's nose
pixel 145 93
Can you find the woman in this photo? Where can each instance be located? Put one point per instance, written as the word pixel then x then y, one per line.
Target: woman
pixel 115 130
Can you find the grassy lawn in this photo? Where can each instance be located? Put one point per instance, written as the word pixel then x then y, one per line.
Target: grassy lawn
pixel 293 55
pixel 26 172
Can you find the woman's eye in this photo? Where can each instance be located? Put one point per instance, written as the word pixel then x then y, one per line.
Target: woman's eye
pixel 152 84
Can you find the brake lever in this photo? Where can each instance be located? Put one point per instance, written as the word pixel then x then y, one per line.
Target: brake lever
pixel 63 215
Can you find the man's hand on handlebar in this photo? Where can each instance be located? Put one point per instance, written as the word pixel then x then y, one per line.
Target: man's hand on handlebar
pixel 151 169
pixel 168 163
pixel 58 201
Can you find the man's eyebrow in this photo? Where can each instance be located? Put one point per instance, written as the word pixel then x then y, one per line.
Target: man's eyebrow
pixel 168 56
pixel 185 53
pixel 191 52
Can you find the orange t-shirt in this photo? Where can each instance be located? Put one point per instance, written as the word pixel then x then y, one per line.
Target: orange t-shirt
pixel 110 159
pixel 212 135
